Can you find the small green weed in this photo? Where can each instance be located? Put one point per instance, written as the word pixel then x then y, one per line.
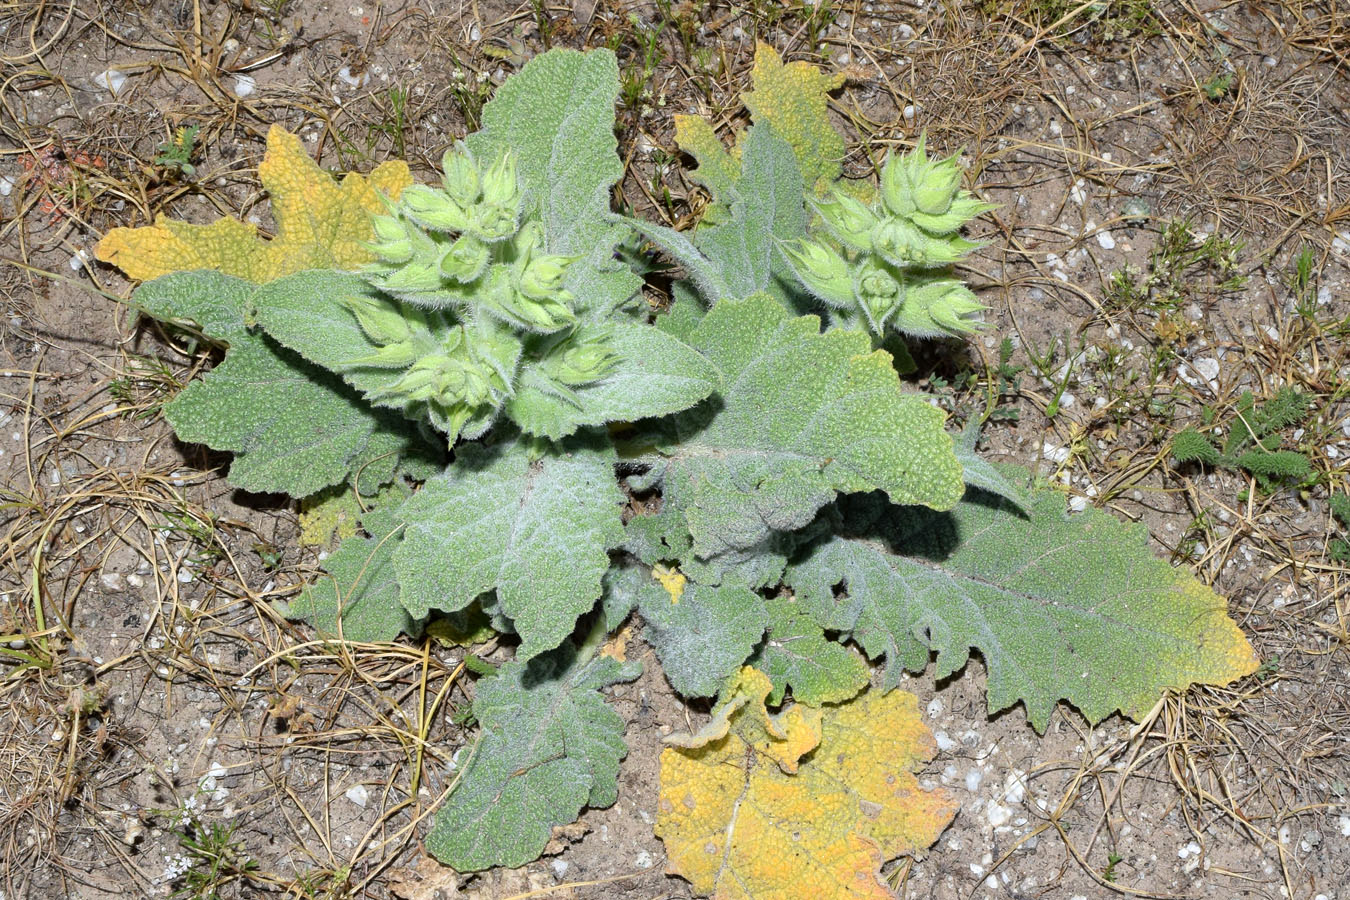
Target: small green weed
pixel 1183 267
pixel 212 858
pixel 1340 547
pixel 1254 441
pixel 175 154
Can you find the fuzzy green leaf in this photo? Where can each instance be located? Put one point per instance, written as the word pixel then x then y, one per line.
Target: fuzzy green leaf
pixel 358 598
pixel 802 416
pixel 1189 445
pixel 979 473
pixel 704 635
pixel 534 530
pixel 767 210
pixel 293 427
pixel 550 746
pixel 797 654
pixel 655 374
pixel 1062 607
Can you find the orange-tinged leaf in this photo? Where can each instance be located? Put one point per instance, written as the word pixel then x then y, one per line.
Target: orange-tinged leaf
pixel 793 98
pixel 321 223
pixel 747 815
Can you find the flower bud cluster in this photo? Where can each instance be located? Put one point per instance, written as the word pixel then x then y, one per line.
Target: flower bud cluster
pixel 889 260
pixel 467 262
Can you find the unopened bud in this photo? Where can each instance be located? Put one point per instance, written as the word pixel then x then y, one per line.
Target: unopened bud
pixel 938 308
pixel 461 176
pixel 897 190
pixel 433 209
pixel 581 364
pixel 543 275
pixel 899 242
pixel 822 271
pixel 937 186
pixel 382 321
pixel 543 314
pixel 465 260
pixel 878 292
pixel 849 219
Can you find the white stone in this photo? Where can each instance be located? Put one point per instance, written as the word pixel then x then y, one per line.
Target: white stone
pixel 1107 242
pixel 111 81
pixel 244 85
pixel 358 794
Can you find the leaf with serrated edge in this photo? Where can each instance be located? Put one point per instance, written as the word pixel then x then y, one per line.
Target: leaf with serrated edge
pixel 1061 607
pixel 745 817
pixel 797 654
pixel 704 635
pixel 321 223
pixel 292 427
pixel 803 415
pixel 793 98
pixel 534 530
pixel 550 746
pixel 358 597
pixel 655 374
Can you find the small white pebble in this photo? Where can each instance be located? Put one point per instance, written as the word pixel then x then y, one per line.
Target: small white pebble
pixel 973 779
pixel 1078 504
pixel 358 794
pixel 1107 242
pixel 946 744
pixel 244 85
pixel 935 707
pixel 6 185
pixel 111 81
pixel 909 113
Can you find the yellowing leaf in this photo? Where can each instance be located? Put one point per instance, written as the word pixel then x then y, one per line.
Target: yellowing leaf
pixel 321 223
pixel 717 169
pixel 793 98
pixel 672 580
pixel 745 817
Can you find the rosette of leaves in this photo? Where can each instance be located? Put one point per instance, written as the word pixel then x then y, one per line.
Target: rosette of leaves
pixel 756 483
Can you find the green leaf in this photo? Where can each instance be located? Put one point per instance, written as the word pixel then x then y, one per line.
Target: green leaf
pixel 1189 445
pixel 214 303
pixel 797 654
pixel 550 746
pixel 767 210
pixel 802 416
pixel 979 473
pixel 557 115
pixel 358 599
pixel 534 530
pixel 293 427
pixel 655 374
pixel 1061 607
pixel 703 636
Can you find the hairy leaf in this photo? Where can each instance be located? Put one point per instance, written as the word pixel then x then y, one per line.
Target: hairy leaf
pixel 797 654
pixel 767 210
pixel 717 168
pixel 358 598
pixel 745 817
pixel 321 223
pixel 550 746
pixel 655 374
pixel 293 427
pixel 534 530
pixel 703 634
pixel 802 416
pixel 1061 607
pixel 557 116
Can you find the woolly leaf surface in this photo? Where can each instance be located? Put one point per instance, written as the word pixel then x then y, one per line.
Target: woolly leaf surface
pixel 745 814
pixel 535 530
pixel 1061 607
pixel 358 597
pixel 655 374
pixel 704 634
pixel 797 654
pixel 802 416
pixel 549 747
pixel 793 98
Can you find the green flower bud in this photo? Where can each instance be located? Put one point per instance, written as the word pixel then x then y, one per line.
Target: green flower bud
pixel 500 185
pixel 937 185
pixel 529 239
pixel 542 314
pixel 897 190
pixel 581 364
pixel 465 260
pixel 961 211
pixel 382 321
pixel 822 271
pixel 417 276
pixel 433 209
pixel 939 308
pixel 848 219
pixel 878 293
pixel 461 176
pixel 900 242
pixel 543 275
pixel 391 356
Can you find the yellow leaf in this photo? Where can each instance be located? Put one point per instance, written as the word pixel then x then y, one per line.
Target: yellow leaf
pixel 717 169
pixel 672 580
pixel 321 223
pixel 745 817
pixel 794 98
